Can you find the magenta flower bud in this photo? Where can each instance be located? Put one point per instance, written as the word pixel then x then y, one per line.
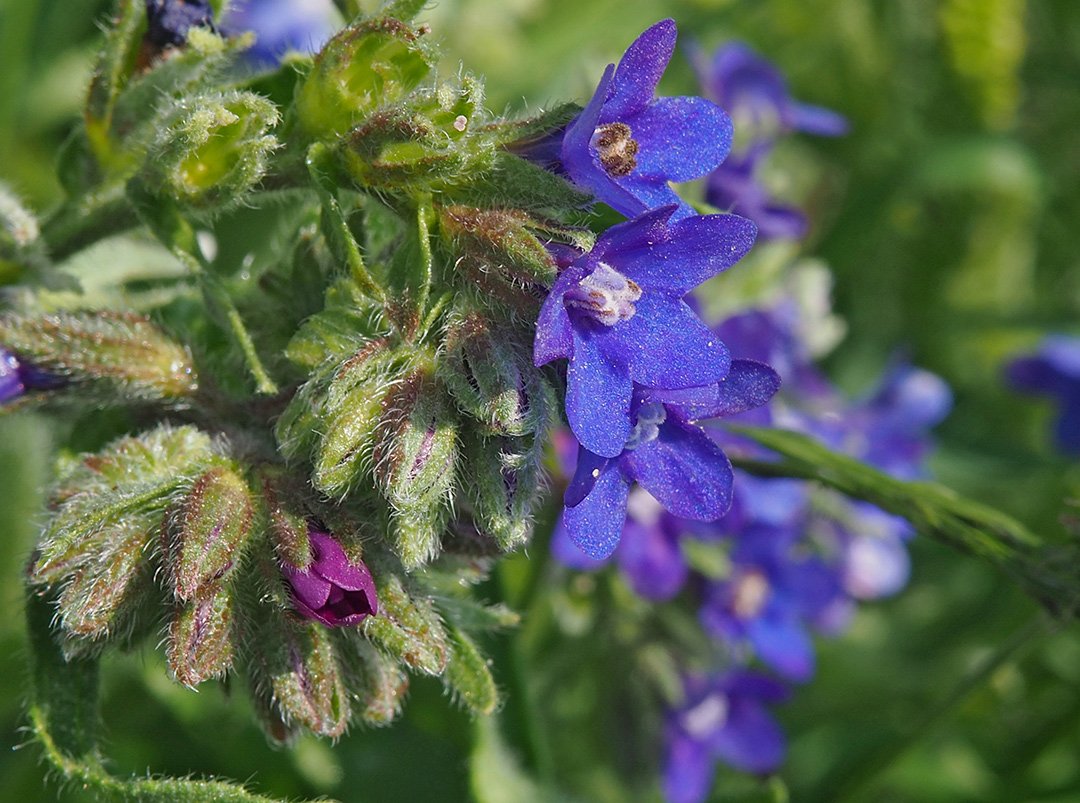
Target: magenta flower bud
pixel 332 589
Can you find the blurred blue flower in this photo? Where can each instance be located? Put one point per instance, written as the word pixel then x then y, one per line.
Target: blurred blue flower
pixel 724 718
pixel 627 145
pixel 281 26
pixel 618 316
pixel 755 94
pixel 734 186
pixel 168 21
pixel 17 377
pixel 770 598
pixel 1054 370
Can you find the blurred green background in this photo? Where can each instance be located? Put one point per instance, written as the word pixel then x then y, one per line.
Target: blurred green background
pixel 949 216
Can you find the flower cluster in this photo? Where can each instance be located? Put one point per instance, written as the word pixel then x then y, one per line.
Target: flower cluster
pixel 642 367
pixel 756 95
pixel 797 559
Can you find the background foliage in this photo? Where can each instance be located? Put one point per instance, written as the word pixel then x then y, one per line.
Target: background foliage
pixel 948 216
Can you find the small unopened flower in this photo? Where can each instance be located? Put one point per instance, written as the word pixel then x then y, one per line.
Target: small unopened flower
pixel 332 589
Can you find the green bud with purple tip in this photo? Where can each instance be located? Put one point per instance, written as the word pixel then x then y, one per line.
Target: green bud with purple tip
pixel 208 531
pixel 200 641
pixel 111 357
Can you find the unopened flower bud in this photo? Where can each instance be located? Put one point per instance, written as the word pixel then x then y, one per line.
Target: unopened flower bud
pixel 213 148
pixel 109 585
pixel 415 461
pixel 377 681
pixel 112 357
pixel 498 252
pixel 491 376
pixel 503 478
pixel 408 628
pixel 425 143
pixel 332 589
pixel 209 530
pixel 200 636
pixel 468 677
pixel 352 409
pixel 365 66
pixel 307 681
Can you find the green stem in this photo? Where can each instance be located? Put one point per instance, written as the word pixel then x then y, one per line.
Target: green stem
pixel 217 297
pixel 424 213
pixel 81 222
pixel 338 228
pixel 64 718
pixel 174 231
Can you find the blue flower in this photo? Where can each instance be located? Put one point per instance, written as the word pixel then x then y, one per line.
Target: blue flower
pixel 1054 370
pixel 618 316
pixel 770 598
pixel 754 92
pixel 756 96
pixel 282 25
pixel 627 145
pixel 667 455
pixel 724 718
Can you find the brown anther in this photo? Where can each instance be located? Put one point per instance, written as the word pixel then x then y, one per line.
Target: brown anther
pixel 616 148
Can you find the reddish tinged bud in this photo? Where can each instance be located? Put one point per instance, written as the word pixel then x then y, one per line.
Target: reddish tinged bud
pixel 332 589
pixel 200 643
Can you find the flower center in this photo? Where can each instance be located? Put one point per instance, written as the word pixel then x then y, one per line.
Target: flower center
pixel 616 148
pixel 647 428
pixel 750 593
pixel 605 295
pixel 707 717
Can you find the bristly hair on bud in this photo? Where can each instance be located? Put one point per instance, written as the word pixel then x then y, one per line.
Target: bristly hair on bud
pixel 107 357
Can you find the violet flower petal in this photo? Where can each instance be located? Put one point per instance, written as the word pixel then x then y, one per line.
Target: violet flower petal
pixel 684 470
pixel 687 137
pixel 598 396
pixel 596 522
pixel 640 70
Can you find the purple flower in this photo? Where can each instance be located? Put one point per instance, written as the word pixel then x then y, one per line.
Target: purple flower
pixel 769 599
pixel 668 456
pixel 282 25
pixel 724 718
pixel 618 316
pixel 332 589
pixel 1054 370
pixel 168 21
pixel 755 94
pixel 735 187
pixel 17 377
pixel 627 145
